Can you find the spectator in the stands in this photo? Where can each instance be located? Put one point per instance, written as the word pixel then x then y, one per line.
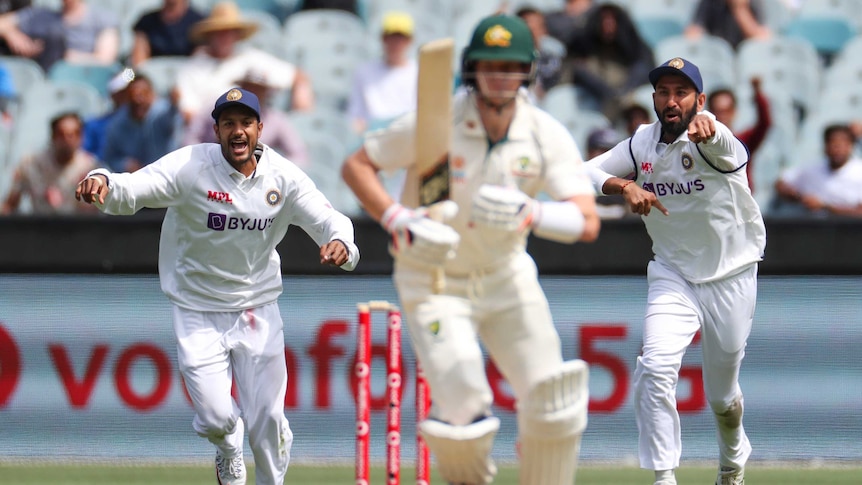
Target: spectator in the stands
pixel 569 24
pixel 632 116
pixel 213 68
pixel 549 63
pixel 352 6
pixel 829 186
pixel 48 178
pixel 278 131
pixel 615 60
pixel 732 20
pixel 96 128
pixel 722 103
pixel 41 39
pixel 143 130
pixel 90 34
pixel 599 141
pixel 164 32
pixel 386 88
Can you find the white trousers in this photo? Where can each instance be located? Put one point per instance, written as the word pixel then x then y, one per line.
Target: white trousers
pixel 217 349
pixel 676 309
pixel 506 309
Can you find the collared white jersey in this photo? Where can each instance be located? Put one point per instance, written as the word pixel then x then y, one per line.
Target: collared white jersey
pixel 714 228
pixel 537 155
pixel 217 247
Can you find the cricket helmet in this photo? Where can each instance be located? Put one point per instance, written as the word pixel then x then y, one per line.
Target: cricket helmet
pixel 499 38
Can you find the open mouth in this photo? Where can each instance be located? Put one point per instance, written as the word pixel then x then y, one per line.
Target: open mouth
pixel 672 116
pixel 238 147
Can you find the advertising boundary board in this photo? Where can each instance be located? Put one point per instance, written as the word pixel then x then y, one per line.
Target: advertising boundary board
pixel 88 363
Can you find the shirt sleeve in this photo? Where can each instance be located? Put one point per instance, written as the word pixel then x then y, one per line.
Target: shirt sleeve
pixel 724 150
pixel 565 175
pixel 391 148
pixel 316 216
pixel 616 162
pixel 157 185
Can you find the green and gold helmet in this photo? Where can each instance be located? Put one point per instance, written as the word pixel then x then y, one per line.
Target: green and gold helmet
pixel 498 38
pixel 501 38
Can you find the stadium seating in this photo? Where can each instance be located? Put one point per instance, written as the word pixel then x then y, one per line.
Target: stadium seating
pixel 25 72
pixel 162 72
pixel 713 55
pixel 41 103
pixel 826 34
pixel 681 11
pixel 654 29
pixel 560 100
pixel 95 75
pixel 784 64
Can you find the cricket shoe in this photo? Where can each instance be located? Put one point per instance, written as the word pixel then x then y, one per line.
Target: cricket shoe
pixel 230 471
pixel 727 475
pixel 666 481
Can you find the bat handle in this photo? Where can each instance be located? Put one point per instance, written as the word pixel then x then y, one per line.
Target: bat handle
pixel 438 282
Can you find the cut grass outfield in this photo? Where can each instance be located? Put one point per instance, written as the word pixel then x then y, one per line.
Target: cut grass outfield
pixel 81 474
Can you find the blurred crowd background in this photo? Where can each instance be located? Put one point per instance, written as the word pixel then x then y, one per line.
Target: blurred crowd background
pixel 119 83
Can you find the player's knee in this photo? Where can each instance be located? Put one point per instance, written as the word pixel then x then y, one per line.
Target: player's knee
pixel 727 415
pixel 215 424
pixel 654 375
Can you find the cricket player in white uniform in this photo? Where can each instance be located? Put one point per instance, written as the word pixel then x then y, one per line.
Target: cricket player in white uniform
pixel 228 206
pixel 708 236
pixel 504 151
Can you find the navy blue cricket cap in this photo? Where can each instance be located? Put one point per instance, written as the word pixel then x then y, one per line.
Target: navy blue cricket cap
pixel 680 67
pixel 236 97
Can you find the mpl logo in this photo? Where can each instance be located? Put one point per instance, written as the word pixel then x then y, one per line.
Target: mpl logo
pixel 222 197
pixel 216 222
pixel 646 167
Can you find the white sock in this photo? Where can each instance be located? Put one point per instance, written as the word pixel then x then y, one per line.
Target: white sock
pixel 664 475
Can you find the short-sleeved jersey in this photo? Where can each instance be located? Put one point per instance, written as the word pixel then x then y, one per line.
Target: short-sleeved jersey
pixel 537 155
pixel 217 248
pixel 714 228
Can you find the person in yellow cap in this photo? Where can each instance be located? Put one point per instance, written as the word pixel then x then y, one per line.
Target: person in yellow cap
pixel 504 152
pixel 386 88
pixel 220 61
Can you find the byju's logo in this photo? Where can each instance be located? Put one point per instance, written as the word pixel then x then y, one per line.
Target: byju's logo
pixel 216 222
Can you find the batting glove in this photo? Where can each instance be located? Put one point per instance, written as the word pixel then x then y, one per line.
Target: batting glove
pixel 502 208
pixel 418 238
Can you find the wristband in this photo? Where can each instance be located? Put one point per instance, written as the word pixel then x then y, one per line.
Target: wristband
pixel 625 184
pixel 558 221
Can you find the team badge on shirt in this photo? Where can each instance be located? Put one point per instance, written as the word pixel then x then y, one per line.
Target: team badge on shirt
pixel 525 167
pixel 687 161
pixel 434 327
pixel 273 197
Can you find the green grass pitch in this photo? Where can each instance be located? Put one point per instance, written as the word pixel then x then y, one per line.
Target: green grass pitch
pixel 588 474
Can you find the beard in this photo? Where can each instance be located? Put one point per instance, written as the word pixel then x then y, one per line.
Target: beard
pixel 678 127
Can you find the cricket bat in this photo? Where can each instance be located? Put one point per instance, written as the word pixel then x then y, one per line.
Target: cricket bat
pixel 427 181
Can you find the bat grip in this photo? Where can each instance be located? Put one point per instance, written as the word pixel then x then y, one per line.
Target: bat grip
pixel 438 277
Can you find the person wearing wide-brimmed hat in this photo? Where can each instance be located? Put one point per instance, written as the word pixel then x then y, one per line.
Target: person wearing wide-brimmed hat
pixel 219 62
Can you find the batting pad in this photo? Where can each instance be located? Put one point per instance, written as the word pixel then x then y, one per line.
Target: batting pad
pixel 550 423
pixel 463 452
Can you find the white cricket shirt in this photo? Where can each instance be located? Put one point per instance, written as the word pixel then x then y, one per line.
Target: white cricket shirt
pixel 217 247
pixel 537 155
pixel 715 228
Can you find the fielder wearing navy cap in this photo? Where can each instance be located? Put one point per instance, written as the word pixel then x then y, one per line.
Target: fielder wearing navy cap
pixel 237 97
pixel 678 67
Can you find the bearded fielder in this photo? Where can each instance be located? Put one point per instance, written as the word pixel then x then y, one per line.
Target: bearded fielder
pixel 708 236
pixel 504 151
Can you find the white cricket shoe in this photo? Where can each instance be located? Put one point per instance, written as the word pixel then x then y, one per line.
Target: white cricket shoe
pixel 229 471
pixel 666 481
pixel 728 475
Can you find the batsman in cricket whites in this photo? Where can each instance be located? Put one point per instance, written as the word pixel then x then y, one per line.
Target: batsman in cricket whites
pixel 503 153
